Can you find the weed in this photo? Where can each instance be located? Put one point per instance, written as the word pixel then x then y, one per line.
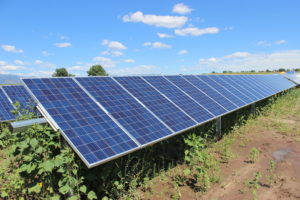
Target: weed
pixel 253 185
pixel 254 155
pixel 271 170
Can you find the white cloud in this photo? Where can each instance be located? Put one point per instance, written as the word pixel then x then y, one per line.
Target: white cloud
pixel 129 61
pixel 268 44
pixel 244 61
pixel 113 53
pixel 137 70
pixel 279 42
pixel 182 9
pixel 10 67
pixel 105 62
pixel 12 49
pixel 114 45
pixel 164 35
pixel 193 31
pixel 63 45
pixel 40 73
pixel 77 67
pixel 2 62
pixel 156 20
pixel 182 52
pixel 157 45
pixel 20 62
pixel 228 28
pixel 263 43
pixel 44 64
pixel 45 53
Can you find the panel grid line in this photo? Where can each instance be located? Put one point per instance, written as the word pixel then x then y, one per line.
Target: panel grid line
pixel 169 100
pixel 106 112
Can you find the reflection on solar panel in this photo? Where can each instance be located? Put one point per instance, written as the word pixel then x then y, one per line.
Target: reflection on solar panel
pixel 87 128
pixel 18 93
pixel 293 77
pixel 215 95
pixel 197 95
pixel 5 108
pixel 105 117
pixel 195 110
pixel 135 118
pixel 157 103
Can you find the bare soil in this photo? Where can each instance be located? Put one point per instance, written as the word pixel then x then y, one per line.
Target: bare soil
pixel 282 148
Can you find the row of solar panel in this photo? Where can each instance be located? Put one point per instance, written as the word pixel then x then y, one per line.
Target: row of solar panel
pixel 293 77
pixel 9 96
pixel 105 117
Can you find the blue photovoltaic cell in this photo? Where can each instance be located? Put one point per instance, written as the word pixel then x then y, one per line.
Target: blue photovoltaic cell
pixel 136 119
pixel 295 77
pixel 228 94
pixel 5 108
pixel 197 95
pixel 256 84
pixel 211 92
pixel 231 88
pixel 157 103
pixel 286 84
pixel 261 79
pixel 18 93
pixel 179 98
pixel 236 84
pixel 89 130
pixel 263 82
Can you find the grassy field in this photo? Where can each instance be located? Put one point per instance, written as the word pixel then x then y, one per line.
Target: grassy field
pixel 255 156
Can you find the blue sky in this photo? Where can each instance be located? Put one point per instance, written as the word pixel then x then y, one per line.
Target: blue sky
pixel 148 37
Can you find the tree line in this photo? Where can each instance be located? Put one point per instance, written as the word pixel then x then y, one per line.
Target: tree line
pixel 267 70
pixel 95 70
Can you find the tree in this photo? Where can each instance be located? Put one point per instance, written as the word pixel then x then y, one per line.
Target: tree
pixel 281 70
pixel 97 70
pixel 61 72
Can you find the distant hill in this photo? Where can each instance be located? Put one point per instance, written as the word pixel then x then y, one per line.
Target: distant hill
pixel 9 79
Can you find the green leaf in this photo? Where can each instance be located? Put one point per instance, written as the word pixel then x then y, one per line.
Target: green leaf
pixel 92 195
pixel 73 197
pixel 35 189
pixel 64 189
pixel 34 143
pixel 83 189
pixel 105 198
pixel 4 194
pixel 56 197
pixel 187 172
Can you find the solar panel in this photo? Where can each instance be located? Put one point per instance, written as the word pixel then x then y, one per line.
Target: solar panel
pixel 256 84
pixel 197 95
pixel 18 93
pixel 89 130
pixel 190 106
pixel 157 103
pixel 238 85
pixel 232 88
pixel 5 108
pixel 219 88
pixel 135 118
pixel 261 79
pixel 215 95
pixel 103 118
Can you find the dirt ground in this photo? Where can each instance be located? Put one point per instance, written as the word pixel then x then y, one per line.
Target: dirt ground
pixel 283 149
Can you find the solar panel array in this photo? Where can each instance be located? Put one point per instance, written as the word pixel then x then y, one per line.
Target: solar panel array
pixel 103 118
pixel 9 95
